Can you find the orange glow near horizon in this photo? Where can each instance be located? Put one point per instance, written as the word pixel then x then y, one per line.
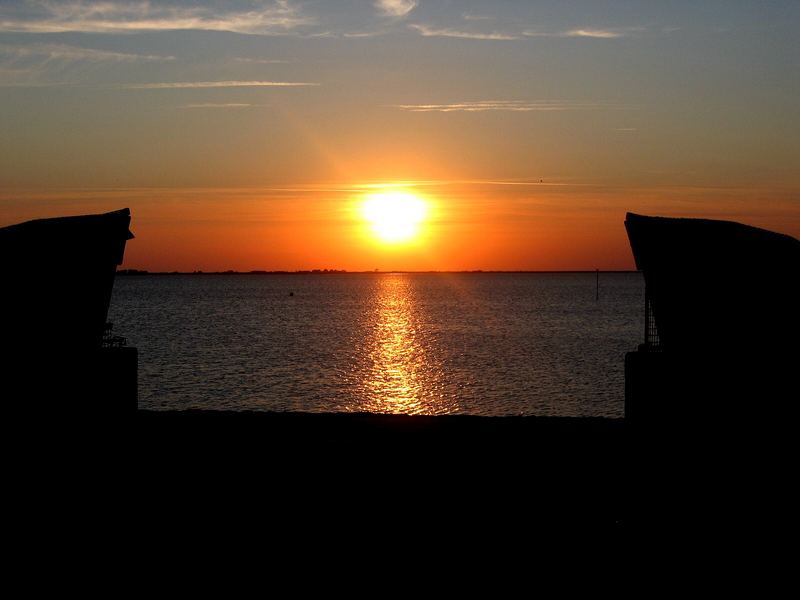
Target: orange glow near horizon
pixel 467 224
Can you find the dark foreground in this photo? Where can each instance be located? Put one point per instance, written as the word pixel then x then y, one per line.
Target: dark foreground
pixel 381 470
pixel 459 476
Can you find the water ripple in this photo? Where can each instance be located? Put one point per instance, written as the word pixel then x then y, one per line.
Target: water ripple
pixel 488 344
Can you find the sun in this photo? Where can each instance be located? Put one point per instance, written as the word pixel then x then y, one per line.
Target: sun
pixel 394 216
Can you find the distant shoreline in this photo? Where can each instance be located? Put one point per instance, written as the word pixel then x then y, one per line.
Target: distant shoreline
pixel 135 272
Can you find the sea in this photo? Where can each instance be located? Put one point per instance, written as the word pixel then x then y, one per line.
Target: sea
pixel 492 344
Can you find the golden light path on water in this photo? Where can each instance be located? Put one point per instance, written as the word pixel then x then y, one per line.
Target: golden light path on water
pixel 404 375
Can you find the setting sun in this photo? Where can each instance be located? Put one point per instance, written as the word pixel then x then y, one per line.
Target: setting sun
pixel 394 216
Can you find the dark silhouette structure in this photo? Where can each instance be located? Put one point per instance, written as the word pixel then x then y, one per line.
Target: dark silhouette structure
pixel 58 275
pixel 721 319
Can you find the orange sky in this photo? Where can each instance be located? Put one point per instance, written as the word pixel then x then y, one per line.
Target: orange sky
pixel 243 135
pixel 470 225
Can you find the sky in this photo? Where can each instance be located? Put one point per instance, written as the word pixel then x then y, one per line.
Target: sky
pixel 247 135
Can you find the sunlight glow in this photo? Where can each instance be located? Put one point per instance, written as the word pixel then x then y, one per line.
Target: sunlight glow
pixel 394 216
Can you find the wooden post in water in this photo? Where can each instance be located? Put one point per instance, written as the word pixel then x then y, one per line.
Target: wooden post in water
pixel 597 291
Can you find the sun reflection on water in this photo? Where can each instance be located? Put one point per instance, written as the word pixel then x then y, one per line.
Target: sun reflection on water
pixel 403 374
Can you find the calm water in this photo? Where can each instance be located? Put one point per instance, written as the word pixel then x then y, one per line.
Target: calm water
pixel 486 344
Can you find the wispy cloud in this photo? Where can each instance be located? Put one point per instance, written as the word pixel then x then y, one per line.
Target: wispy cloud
pixel 49 65
pixel 586 32
pixel 59 52
pixel 213 84
pixel 226 105
pixel 395 8
pixel 593 33
pixel 48 16
pixel 428 31
pixel 28 79
pixel 363 34
pixel 473 17
pixel 261 61
pixel 510 105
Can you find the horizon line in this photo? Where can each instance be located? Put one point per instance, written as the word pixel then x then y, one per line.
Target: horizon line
pixel 129 272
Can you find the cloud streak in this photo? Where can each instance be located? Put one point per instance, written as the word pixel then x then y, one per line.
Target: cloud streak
pixel 50 65
pixel 121 17
pixel 586 32
pixel 61 52
pixel 431 31
pixel 474 17
pixel 261 61
pixel 213 105
pixel 510 106
pixel 593 33
pixel 428 31
pixel 213 84
pixel 395 8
